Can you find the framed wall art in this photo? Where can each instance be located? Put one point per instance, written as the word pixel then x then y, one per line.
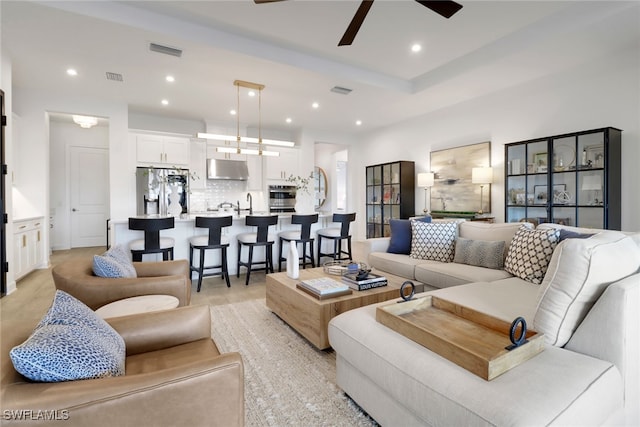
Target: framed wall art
pixel 452 190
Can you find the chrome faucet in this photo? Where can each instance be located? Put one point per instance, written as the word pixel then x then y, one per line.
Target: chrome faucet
pixel 250 200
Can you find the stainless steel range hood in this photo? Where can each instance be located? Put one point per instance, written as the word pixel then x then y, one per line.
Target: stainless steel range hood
pixel 234 170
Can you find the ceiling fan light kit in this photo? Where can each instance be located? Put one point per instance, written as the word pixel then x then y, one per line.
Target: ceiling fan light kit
pixel 445 8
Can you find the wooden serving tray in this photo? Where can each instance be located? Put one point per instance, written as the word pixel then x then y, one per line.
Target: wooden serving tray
pixel 468 338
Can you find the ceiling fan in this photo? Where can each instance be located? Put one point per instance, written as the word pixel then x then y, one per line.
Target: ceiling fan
pixel 444 8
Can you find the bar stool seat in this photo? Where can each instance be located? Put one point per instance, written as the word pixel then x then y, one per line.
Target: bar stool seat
pixel 337 235
pixel 152 243
pixel 302 236
pixel 259 238
pixel 214 240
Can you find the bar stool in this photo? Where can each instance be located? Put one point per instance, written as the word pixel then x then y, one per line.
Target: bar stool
pixel 259 238
pixel 152 243
pixel 337 234
pixel 301 236
pixel 214 240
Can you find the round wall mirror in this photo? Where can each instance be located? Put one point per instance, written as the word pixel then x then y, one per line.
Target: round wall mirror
pixel 320 186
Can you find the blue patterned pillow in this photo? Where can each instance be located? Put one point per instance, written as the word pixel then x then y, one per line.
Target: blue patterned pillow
pixel 114 263
pixel 70 343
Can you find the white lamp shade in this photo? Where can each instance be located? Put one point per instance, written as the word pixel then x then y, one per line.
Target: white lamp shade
pixel 482 175
pixel 591 182
pixel 426 179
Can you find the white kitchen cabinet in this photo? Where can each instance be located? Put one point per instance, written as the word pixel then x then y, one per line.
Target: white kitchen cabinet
pixel 28 253
pixel 198 165
pixel 162 150
pixel 282 167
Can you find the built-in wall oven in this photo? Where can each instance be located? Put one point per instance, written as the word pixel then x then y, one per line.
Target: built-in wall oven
pixel 282 198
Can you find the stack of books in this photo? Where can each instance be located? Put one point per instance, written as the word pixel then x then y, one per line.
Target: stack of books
pixel 371 281
pixel 324 287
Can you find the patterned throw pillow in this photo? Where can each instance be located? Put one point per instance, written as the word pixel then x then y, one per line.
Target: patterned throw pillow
pixel 114 263
pixel 434 241
pixel 481 253
pixel 530 252
pixel 70 343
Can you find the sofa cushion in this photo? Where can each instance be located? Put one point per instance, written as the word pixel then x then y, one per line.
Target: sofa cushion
pixel 555 386
pixel 434 241
pixel 579 272
pixel 530 252
pixel 70 343
pixel 400 239
pixel 478 230
pixel 398 264
pixel 482 253
pixel 444 274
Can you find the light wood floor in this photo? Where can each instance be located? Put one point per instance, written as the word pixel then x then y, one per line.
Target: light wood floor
pixel 22 309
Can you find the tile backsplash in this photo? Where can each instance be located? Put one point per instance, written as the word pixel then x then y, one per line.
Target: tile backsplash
pixel 220 191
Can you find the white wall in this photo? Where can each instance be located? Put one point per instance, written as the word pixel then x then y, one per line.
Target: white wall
pixel 64 135
pixel 31 158
pixel 594 95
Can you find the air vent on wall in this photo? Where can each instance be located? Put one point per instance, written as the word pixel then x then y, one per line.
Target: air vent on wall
pixel 341 90
pixel 165 49
pixel 114 76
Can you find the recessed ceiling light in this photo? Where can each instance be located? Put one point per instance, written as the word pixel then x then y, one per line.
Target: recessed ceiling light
pixel 233 112
pixel 358 122
pixel 170 79
pixel 315 105
pixel 416 47
pixel 288 120
pixel 252 93
pixel 72 72
pixel 165 102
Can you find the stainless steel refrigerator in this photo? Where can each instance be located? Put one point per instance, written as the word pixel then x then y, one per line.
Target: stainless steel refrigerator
pixel 152 186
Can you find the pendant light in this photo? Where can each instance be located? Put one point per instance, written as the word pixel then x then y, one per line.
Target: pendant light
pixel 260 151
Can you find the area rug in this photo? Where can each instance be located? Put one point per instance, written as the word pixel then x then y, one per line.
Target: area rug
pixel 287 381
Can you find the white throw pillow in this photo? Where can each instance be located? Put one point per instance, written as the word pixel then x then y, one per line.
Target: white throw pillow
pixel 579 272
pixel 434 241
pixel 530 252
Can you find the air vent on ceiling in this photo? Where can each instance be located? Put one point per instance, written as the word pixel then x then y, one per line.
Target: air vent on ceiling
pixel 114 76
pixel 165 49
pixel 341 90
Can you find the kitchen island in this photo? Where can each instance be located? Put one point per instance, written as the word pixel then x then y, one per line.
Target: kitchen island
pixel 185 228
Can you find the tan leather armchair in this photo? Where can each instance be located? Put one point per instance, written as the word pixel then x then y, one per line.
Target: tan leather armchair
pixel 175 376
pixel 165 278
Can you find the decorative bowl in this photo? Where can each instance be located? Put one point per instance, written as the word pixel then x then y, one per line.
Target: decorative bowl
pixel 340 268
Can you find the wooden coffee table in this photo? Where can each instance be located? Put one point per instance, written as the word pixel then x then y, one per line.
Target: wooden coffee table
pixel 310 316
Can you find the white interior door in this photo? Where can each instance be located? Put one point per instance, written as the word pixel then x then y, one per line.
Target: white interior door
pixel 89 196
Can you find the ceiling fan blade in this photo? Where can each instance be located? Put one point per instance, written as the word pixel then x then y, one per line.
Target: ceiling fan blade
pixel 444 8
pixel 356 22
pixel 265 1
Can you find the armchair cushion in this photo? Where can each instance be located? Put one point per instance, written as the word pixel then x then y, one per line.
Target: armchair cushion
pixel 70 343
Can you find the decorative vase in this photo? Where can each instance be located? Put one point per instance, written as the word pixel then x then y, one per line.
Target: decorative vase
pixel 304 203
pixel 293 265
pixel 162 200
pixel 175 209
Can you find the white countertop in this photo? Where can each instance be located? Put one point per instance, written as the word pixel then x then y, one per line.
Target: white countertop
pixel 192 216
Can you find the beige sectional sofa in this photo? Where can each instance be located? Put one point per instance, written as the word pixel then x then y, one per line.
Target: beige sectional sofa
pixel 587 306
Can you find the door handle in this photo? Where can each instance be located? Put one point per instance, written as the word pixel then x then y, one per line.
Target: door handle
pixel 73 209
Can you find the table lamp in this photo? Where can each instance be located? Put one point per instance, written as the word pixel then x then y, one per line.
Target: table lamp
pixel 426 180
pixel 481 176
